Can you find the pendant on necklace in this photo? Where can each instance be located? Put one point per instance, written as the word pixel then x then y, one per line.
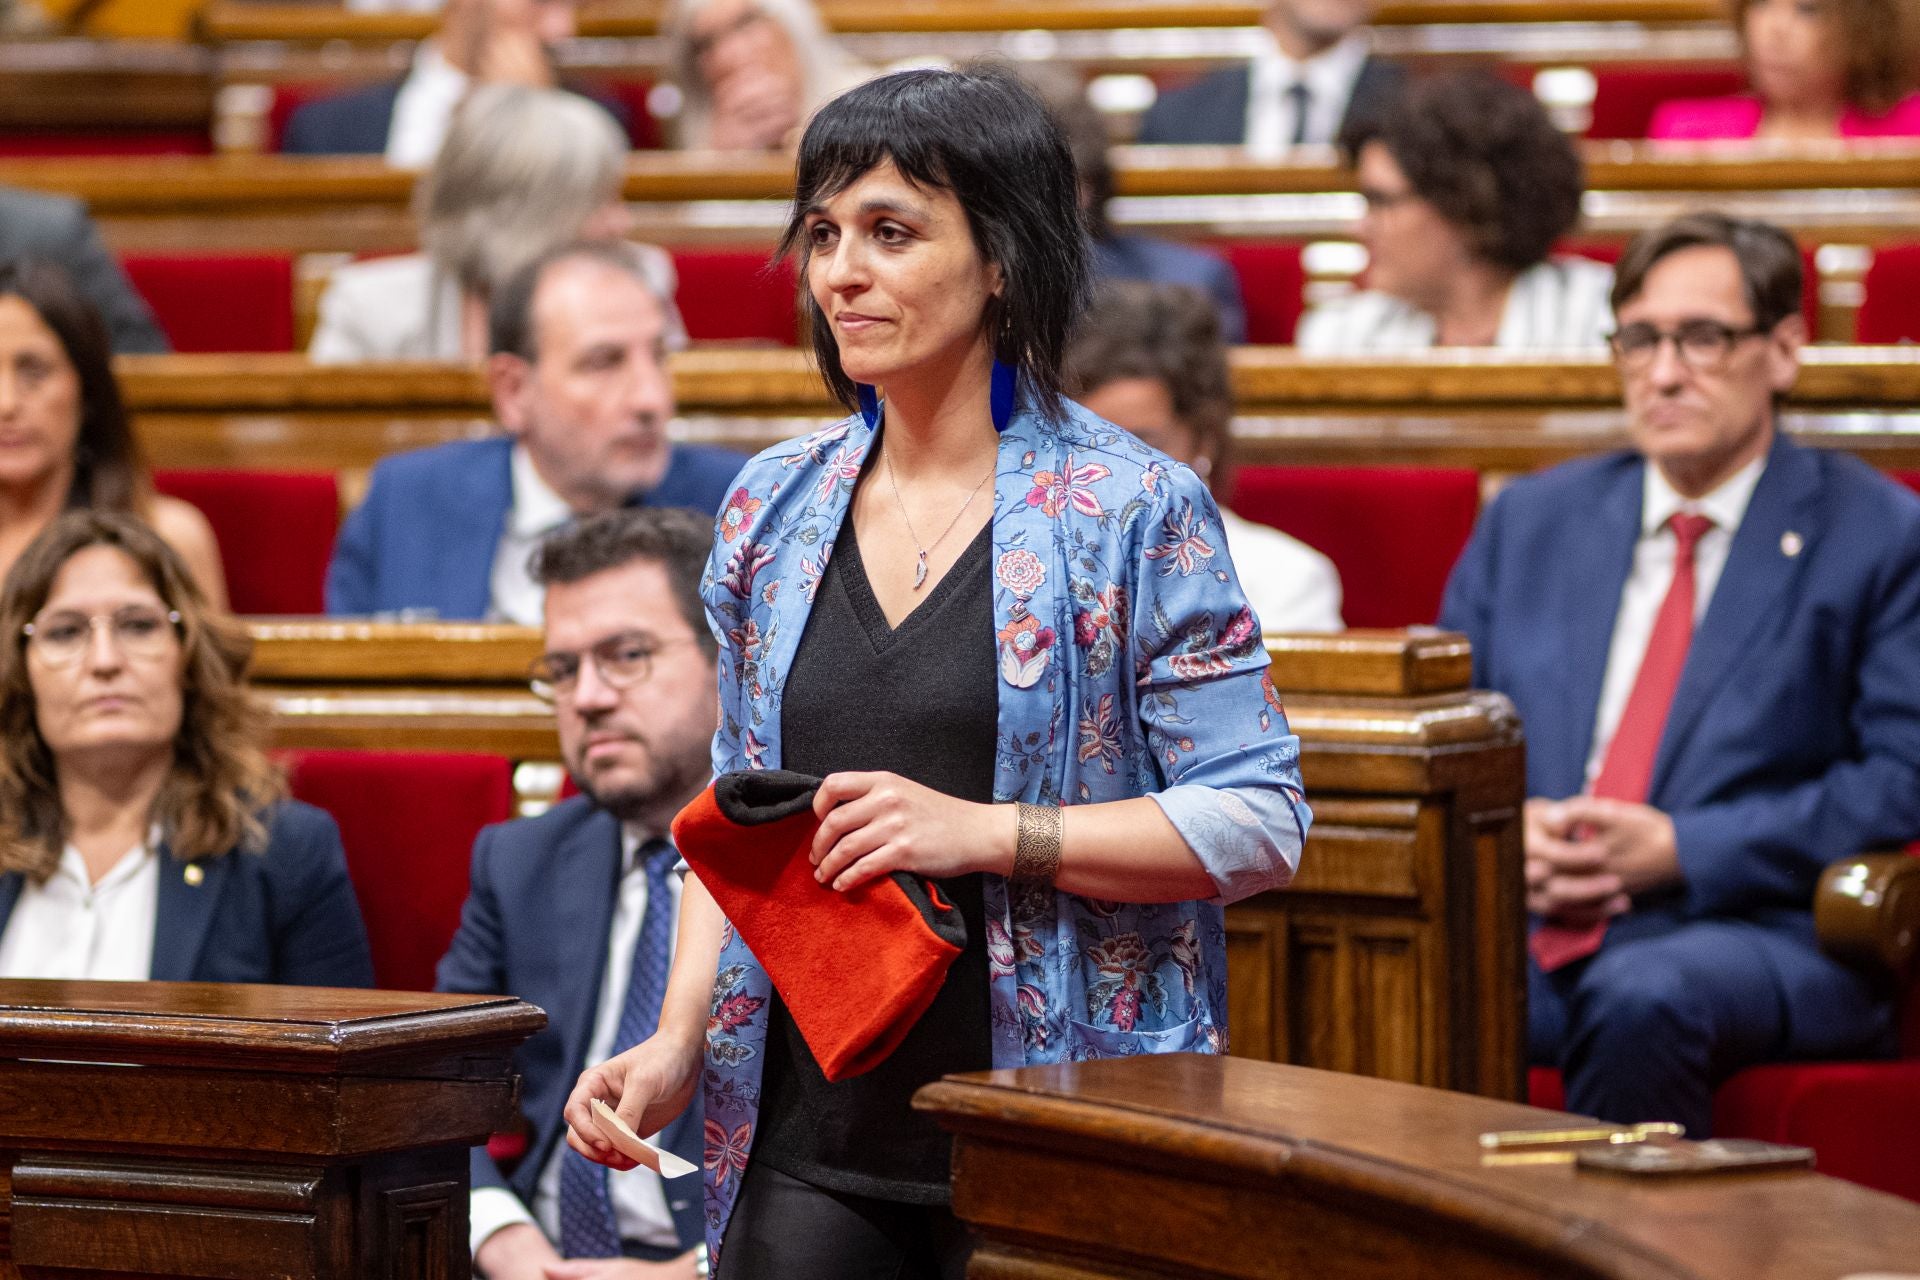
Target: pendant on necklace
pixel 920 571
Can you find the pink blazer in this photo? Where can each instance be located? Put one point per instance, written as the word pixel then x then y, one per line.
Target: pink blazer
pixel 1708 119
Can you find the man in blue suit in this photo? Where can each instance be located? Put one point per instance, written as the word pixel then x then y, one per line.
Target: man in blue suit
pixel 574 910
pixel 581 386
pixel 1713 642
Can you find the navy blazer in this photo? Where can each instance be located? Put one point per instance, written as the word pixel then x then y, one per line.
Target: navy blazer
pixel 1213 109
pixel 1164 262
pixel 426 534
pixel 535 925
pixel 1794 735
pixel 357 122
pixel 284 915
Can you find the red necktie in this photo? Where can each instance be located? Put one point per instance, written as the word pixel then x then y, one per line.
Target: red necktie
pixel 1626 772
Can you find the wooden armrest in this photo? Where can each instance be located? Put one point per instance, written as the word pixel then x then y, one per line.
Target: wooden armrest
pixel 1867 912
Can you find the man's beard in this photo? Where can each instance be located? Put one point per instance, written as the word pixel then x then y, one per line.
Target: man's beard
pixel 640 800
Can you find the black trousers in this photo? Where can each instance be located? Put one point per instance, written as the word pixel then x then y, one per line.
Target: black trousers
pixel 786 1229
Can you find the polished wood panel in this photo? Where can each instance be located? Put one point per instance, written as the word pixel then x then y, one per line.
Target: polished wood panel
pixel 160 1130
pixel 1189 1166
pixel 1396 951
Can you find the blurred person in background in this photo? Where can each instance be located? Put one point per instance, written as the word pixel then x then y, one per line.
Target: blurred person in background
pixel 1149 358
pixel 1132 257
pixel 64 437
pixel 478 42
pixel 57 229
pixel 1818 69
pixel 1317 77
pixel 523 171
pixel 1468 186
pixel 142 833
pixel 749 72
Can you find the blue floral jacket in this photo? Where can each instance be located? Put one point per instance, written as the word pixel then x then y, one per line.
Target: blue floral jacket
pixel 1130 665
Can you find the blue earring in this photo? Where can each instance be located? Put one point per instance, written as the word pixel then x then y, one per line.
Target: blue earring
pixel 1001 396
pixel 869 404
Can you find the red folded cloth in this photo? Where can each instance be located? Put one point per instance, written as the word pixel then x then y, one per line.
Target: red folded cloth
pixel 856 969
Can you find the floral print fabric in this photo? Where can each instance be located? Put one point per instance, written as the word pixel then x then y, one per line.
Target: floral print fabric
pixel 1129 665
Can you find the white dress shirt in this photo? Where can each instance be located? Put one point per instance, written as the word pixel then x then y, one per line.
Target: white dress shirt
pixel 1291 586
pixel 424 108
pixel 1272 118
pixel 74 927
pixel 1652 575
pixel 536 512
pixel 1562 304
pixel 639 1198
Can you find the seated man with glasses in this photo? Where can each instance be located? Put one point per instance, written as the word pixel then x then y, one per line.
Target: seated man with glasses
pixel 575 910
pixel 1713 640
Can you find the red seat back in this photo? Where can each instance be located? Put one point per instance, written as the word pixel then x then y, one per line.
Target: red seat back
pixel 408 822
pixel 737 296
pixel 1911 479
pixel 1272 286
pixel 219 302
pixel 275 530
pixel 1625 97
pixel 1890 310
pixel 1392 532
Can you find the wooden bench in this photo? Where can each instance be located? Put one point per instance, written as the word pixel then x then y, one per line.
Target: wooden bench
pixel 1388 955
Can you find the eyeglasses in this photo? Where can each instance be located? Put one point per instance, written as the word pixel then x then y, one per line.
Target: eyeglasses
pixel 138 631
pixel 622 661
pixel 1702 344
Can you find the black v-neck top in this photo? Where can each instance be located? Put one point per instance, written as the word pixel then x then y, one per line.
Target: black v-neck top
pixel 918 700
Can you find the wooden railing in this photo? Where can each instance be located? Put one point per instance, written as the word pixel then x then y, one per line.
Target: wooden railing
pixel 1184 1166
pixel 1396 952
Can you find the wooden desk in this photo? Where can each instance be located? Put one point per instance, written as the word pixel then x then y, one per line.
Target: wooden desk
pixel 1396 951
pixel 196 1129
pixel 1186 1166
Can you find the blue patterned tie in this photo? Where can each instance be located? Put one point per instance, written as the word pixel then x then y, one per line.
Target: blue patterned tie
pixel 587 1225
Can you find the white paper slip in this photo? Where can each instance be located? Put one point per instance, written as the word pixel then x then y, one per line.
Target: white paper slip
pixel 634 1147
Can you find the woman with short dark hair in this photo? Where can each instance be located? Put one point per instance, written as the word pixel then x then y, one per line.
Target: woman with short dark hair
pixel 142 834
pixel 1818 69
pixel 1008 638
pixel 1468 186
pixel 65 441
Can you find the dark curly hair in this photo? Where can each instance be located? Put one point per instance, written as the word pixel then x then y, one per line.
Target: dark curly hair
pixel 1880 40
pixel 1482 152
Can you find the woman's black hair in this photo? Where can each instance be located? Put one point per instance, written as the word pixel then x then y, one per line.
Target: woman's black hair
pixel 984 136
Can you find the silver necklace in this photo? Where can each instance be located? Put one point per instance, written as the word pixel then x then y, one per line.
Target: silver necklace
pixel 920 566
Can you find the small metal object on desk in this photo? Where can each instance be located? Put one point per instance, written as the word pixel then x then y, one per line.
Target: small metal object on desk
pixel 1615 1134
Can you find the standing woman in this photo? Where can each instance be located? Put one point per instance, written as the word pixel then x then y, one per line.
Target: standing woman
pixel 1007 635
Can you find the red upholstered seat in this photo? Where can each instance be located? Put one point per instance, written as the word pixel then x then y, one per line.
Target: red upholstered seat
pixel 1890 311
pixel 275 530
pixel 1393 532
pixel 219 302
pixel 737 296
pixel 1625 97
pixel 1911 479
pixel 408 821
pixel 1272 285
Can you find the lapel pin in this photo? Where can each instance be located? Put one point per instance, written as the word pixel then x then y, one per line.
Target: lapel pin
pixel 1791 543
pixel 194 874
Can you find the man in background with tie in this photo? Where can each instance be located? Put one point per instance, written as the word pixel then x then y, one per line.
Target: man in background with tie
pixel 575 910
pixel 1317 73
pixel 1713 641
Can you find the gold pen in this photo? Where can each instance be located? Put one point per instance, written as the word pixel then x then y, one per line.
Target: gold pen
pixel 1609 1133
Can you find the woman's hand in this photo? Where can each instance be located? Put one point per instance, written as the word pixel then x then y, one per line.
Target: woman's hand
pixel 647 1086
pixel 874 824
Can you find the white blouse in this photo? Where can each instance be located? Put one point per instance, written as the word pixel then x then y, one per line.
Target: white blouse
pixel 72 927
pixel 1561 304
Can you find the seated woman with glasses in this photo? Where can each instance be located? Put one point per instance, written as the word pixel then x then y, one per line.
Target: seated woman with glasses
pixel 142 834
pixel 1818 69
pixel 1468 186
pixel 64 438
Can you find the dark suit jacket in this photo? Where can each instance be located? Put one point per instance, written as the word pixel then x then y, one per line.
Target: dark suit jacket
pixel 1163 262
pixel 535 926
pixel 426 534
pixel 286 915
pixel 1214 109
pixel 57 229
pixel 1794 735
pixel 357 122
